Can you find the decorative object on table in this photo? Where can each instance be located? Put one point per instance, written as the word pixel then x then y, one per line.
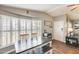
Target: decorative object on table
pixel 46 34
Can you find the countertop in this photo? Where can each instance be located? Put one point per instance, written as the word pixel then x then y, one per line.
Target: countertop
pixel 25 45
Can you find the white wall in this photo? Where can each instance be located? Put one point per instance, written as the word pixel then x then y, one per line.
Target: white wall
pixel 70 28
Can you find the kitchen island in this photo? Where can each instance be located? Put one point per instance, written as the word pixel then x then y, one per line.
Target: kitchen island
pixel 34 46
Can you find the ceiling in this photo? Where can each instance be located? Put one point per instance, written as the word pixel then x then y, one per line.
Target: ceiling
pixel 38 7
pixel 52 9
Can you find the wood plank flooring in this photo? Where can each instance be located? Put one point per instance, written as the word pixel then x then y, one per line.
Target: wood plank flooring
pixel 62 48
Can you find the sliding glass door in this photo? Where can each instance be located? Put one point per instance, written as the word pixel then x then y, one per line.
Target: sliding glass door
pixel 37 27
pixel 5 30
pixel 13 28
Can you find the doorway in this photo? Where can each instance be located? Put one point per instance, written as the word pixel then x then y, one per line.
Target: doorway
pixel 59 30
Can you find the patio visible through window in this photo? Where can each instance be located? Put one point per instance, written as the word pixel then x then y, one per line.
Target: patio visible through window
pixel 12 27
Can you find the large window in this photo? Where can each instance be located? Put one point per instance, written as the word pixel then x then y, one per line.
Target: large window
pixel 12 27
pixel 5 30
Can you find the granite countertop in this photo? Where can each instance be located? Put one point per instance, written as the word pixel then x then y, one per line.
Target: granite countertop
pixel 24 45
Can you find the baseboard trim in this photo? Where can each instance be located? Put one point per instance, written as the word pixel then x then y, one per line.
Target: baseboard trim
pixel 59 40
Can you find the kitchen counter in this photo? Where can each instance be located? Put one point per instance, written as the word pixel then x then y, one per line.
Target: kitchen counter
pixel 25 45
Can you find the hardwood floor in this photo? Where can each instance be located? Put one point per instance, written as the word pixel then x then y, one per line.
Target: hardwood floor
pixel 62 48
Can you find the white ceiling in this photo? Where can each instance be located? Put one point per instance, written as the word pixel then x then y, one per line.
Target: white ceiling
pixel 52 9
pixel 39 7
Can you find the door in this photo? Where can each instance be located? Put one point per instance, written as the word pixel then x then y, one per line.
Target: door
pixel 59 30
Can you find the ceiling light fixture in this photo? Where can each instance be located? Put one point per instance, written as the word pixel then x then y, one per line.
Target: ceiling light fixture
pixel 74 6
